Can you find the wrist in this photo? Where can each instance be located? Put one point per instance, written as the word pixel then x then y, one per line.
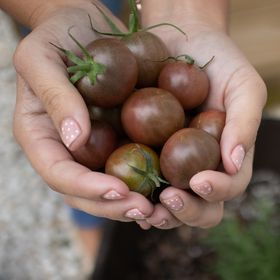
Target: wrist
pixel 188 14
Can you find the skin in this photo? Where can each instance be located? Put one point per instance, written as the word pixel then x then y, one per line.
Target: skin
pixel 45 97
pixel 235 87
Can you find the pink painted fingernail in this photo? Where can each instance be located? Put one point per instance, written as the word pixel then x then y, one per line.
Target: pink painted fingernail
pixel 70 131
pixel 112 195
pixel 204 188
pixel 175 203
pixel 135 214
pixel 161 224
pixel 237 156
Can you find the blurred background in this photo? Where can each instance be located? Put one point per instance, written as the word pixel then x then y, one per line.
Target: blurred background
pixel 37 239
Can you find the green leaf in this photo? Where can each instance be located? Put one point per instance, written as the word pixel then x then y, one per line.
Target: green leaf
pixel 75 78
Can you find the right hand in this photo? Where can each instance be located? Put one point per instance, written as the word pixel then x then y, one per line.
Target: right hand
pixel 46 100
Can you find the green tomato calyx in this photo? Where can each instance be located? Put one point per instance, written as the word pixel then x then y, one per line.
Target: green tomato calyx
pixel 83 67
pixel 150 174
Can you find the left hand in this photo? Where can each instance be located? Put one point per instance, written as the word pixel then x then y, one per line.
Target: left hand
pixel 237 89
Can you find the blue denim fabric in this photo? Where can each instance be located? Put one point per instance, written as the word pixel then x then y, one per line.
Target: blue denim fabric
pixel 84 220
pixel 114 5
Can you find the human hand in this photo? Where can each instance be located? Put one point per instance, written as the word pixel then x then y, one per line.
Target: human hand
pixel 237 89
pixel 47 101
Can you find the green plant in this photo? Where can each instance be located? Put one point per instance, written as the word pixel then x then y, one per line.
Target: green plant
pixel 248 249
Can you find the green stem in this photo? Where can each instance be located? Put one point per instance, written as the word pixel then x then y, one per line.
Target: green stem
pixel 112 25
pixel 188 59
pixel 133 17
pixel 165 24
pixel 207 63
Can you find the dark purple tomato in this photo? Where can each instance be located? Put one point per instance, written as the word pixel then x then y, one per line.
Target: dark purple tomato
pixel 111 116
pixel 186 153
pixel 186 81
pixel 151 115
pixel 124 162
pixel 212 121
pixel 101 143
pixel 149 51
pixel 119 78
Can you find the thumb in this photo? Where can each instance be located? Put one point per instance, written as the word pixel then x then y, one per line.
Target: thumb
pixel 244 105
pixel 45 72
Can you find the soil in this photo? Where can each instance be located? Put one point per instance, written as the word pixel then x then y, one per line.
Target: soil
pixel 179 254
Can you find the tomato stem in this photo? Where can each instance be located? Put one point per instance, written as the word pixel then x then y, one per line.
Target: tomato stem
pixel 133 25
pixel 165 24
pixel 150 174
pixel 186 58
pixel 133 17
pixel 207 63
pixel 112 25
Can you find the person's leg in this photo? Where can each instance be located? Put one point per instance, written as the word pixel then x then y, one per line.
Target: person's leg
pixel 89 231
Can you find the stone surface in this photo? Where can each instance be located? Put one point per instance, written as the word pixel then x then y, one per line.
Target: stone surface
pixel 36 235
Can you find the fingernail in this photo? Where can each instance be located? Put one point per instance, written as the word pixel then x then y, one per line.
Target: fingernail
pixel 161 224
pixel 135 214
pixel 70 130
pixel 204 188
pixel 237 156
pixel 112 195
pixel 175 203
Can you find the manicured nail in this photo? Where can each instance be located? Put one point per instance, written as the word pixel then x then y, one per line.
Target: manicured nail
pixel 112 195
pixel 161 224
pixel 204 188
pixel 70 131
pixel 135 214
pixel 237 156
pixel 175 203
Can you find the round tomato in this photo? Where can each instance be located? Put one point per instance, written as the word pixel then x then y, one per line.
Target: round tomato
pixel 137 165
pixel 186 81
pixel 149 51
pixel 100 145
pixel 211 121
pixel 151 115
pixel 186 153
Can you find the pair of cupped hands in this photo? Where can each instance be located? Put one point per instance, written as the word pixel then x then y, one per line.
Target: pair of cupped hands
pixel 47 102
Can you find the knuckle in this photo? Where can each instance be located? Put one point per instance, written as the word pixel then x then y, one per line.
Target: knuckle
pixel 20 54
pixel 192 217
pixel 216 219
pixel 52 99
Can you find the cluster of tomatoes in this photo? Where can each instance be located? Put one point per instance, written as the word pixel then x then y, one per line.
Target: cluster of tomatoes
pixel 140 99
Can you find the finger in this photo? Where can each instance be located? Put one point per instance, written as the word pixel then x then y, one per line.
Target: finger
pixel 215 186
pixel 191 210
pixel 162 218
pixel 244 104
pixel 135 207
pixel 144 225
pixel 43 69
pixel 35 133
